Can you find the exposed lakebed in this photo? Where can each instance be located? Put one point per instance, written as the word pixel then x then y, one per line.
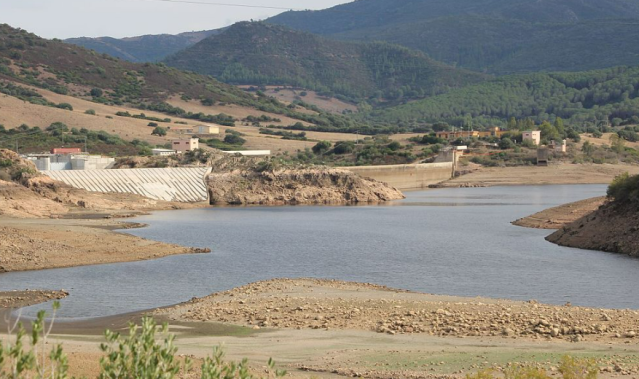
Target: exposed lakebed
pixel 449 241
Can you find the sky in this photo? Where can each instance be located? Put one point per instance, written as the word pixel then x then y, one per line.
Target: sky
pixel 126 18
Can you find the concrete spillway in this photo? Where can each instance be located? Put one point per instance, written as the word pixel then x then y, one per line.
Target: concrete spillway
pixel 169 184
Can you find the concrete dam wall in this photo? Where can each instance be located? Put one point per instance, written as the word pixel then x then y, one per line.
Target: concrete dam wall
pixel 170 184
pixel 407 177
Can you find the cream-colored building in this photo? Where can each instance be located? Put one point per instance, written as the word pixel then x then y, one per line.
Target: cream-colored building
pixel 559 147
pixel 206 129
pixel 185 144
pixel 534 136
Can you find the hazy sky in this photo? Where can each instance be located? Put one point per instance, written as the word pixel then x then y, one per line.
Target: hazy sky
pixel 123 18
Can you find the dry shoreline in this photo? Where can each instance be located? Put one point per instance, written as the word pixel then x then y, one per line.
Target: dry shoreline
pixel 562 215
pixel 534 175
pixel 37 244
pixel 328 328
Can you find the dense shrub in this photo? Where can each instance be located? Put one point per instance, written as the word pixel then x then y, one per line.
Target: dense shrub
pixel 624 188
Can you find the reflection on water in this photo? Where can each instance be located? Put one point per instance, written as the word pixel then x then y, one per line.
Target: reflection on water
pixel 447 241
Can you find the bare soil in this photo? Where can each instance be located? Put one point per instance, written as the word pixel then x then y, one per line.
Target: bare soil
pixel 19 299
pixel 535 175
pixel 36 244
pixel 558 217
pixel 332 329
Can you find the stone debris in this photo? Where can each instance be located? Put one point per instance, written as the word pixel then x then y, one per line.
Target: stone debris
pixel 322 304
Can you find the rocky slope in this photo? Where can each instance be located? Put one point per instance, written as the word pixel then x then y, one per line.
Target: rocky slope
pixel 614 228
pixel 303 186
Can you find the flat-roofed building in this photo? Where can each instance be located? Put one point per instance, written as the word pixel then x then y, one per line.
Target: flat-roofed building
pixel 206 129
pixel 534 136
pixel 185 144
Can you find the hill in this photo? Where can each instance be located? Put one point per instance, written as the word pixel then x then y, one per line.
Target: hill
pixel 30 65
pixel 582 98
pixel 613 227
pixel 261 54
pixel 147 48
pixel 497 36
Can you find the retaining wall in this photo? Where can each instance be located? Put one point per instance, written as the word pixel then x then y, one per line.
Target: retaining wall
pixel 169 184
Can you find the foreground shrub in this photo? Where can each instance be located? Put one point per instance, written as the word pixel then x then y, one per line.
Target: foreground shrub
pixel 140 355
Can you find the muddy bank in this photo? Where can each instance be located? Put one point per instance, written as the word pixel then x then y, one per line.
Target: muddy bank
pixel 19 299
pixel 36 244
pixel 560 216
pixel 614 228
pixel 303 186
pixel 327 305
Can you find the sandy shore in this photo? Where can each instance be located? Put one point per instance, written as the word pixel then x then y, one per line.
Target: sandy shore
pixel 36 244
pixel 330 329
pixel 534 175
pixel 560 216
pixel 19 299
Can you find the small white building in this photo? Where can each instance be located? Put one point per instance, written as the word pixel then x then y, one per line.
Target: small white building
pixel 559 147
pixel 186 144
pixel 60 162
pixel 163 152
pixel 534 136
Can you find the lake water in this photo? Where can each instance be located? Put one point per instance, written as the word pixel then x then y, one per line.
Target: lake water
pixel 448 241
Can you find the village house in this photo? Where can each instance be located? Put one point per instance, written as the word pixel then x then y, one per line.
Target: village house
pixel 534 136
pixel 185 144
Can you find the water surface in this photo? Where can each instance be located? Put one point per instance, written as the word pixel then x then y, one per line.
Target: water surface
pixel 448 241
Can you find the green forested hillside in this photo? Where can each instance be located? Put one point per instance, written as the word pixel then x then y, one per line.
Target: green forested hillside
pixel 496 36
pixel 581 98
pixel 261 54
pixel 148 48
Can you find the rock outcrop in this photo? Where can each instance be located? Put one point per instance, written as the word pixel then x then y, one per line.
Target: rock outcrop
pixel 614 227
pixel 297 186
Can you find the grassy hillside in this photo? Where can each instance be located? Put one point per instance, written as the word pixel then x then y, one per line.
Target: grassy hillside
pixel 147 48
pixel 262 54
pixel 497 36
pixel 26 59
pixel 582 98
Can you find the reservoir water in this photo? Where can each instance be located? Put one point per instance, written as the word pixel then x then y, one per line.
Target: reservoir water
pixel 448 241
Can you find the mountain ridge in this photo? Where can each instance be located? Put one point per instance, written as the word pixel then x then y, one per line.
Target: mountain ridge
pixel 262 54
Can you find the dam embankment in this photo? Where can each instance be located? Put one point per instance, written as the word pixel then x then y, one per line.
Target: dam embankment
pixel 407 177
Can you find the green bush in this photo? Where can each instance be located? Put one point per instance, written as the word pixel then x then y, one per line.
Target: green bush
pixel 233 139
pixel 138 356
pixel 624 188
pixel 322 147
pixel 90 111
pixel 66 106
pixel 159 131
